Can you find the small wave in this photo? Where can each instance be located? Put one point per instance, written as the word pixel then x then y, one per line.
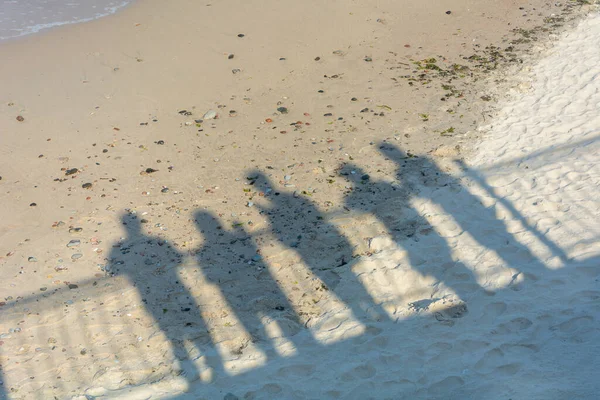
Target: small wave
pixel 27 26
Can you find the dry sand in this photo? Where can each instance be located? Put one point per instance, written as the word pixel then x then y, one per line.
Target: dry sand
pixel 294 247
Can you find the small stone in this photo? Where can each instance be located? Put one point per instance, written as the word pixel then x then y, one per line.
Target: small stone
pixel 241 35
pixel 76 256
pixel 74 243
pixel 72 286
pixel 150 170
pixel 160 142
pixel 249 204
pixel 368 59
pixel 282 110
pixel 20 118
pixel 287 177
pixel 353 99
pixel 71 171
pixel 210 114
pixel 75 230
pixel 43 289
pixel 236 71
pixel 317 58
pixel 448 12
pixel 32 204
pixel 229 57
pixel 52 340
pixel 365 177
pixel 32 259
pixel 87 185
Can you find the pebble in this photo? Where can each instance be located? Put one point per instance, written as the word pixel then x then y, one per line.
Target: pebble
pixel 282 110
pixel 87 185
pixel 241 35
pixel 229 57
pixel 236 71
pixel 32 204
pixel 76 256
pixel 20 118
pixel 74 242
pixel 210 114
pixel 71 171
pixel 75 230
pixel 164 190
pixel 287 177
pixel 32 259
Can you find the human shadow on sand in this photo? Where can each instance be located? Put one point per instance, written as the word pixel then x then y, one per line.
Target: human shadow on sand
pixel 299 225
pixel 421 177
pixel 151 266
pixel 231 261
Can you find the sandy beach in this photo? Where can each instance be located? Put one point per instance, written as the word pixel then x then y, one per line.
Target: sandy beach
pixel 333 200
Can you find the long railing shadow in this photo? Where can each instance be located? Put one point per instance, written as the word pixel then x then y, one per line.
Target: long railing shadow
pixel 230 274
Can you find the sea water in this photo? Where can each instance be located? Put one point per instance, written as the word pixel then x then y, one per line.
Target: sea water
pixel 24 17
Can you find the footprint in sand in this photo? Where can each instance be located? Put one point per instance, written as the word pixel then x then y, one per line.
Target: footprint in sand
pixel 365 371
pixel 445 386
pixel 512 326
pixel 577 330
pixel 293 371
pixel 268 391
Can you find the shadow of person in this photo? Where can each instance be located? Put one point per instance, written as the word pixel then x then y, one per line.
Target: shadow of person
pixel 231 261
pixel 299 225
pixel 419 176
pixel 390 204
pixel 150 265
pixel 467 210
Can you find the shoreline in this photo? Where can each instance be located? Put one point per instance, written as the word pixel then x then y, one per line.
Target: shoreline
pixel 113 131
pixel 41 28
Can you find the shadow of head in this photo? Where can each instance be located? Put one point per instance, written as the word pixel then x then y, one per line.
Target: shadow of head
pixel 132 224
